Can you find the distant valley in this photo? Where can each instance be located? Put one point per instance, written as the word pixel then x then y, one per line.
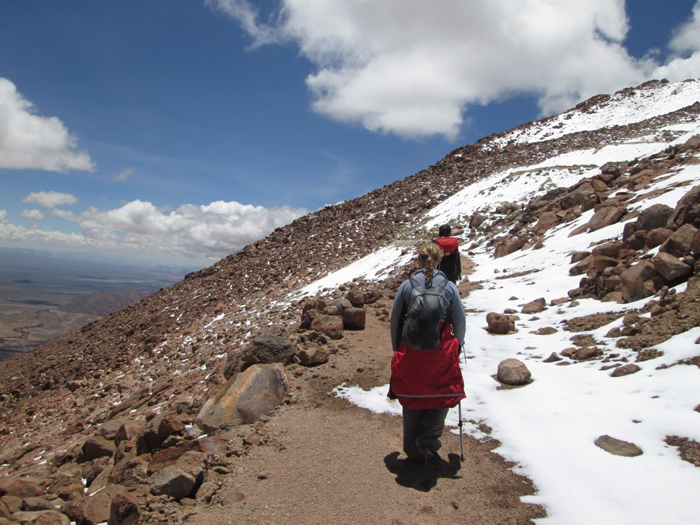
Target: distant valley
pixel 43 296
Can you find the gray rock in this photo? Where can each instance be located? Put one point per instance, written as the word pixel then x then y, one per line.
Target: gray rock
pixel 513 372
pixel 173 482
pixel 553 358
pixel 653 217
pixel 618 447
pixel 254 392
pixel 263 350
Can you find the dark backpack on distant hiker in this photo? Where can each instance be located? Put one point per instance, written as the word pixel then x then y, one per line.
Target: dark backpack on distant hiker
pixel 421 329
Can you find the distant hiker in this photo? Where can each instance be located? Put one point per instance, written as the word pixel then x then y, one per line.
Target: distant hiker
pixel 451 263
pixel 427 381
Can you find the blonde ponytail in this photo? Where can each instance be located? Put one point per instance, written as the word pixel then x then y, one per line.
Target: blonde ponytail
pixel 430 255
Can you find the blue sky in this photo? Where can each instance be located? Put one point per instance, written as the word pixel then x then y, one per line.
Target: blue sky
pixel 178 132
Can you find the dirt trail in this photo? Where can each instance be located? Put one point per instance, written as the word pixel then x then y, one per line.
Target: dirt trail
pixel 327 461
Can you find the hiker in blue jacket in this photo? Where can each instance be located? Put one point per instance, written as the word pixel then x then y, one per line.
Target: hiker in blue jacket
pixel 427 383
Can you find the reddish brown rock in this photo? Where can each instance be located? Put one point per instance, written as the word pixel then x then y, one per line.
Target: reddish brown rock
pixel 354 318
pixel 97 447
pixel 688 208
pixel 679 243
pixel 356 297
pixel 546 221
pixel 169 425
pixel 499 323
pixel 22 487
pixel 605 217
pixel 97 508
pixel 670 267
pixel 657 237
pixel 625 370
pixel 311 354
pixel 129 431
pixel 636 281
pixel 332 326
pixel 168 456
pixel 534 307
pixel 610 249
pixel 124 510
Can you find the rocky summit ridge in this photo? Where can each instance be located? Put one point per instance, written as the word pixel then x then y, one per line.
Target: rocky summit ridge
pixel 106 422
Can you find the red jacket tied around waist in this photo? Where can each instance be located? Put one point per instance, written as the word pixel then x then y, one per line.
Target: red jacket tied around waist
pixel 428 379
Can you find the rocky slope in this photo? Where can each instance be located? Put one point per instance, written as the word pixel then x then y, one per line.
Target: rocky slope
pixel 111 404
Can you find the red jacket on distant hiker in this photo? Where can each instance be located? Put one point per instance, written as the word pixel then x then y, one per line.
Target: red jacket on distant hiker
pixel 427 382
pixel 451 262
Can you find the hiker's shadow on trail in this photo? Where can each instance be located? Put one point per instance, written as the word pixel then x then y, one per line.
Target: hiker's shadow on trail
pixel 422 477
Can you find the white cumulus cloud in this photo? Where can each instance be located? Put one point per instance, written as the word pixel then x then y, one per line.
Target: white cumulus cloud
pixel 33 215
pixel 29 141
pixel 124 175
pixel 202 232
pixel 50 199
pixel 413 67
pixel 686 45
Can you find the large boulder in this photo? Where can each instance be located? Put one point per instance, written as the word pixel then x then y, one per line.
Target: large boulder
pixel 546 221
pixel 605 217
pixel 253 393
pixel 654 217
pixel 173 482
pixel 510 246
pixel 354 318
pixel 688 208
pixel 609 249
pixel 636 281
pixel 513 372
pixel 264 349
pixel 578 196
pixel 679 243
pixel 341 304
pixel 330 325
pixel 670 267
pixel 657 237
pixel 97 447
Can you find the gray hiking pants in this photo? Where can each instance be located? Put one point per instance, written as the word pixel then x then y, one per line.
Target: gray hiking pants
pixel 422 428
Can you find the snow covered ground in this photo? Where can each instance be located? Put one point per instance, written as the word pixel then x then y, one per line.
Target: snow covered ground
pixel 549 426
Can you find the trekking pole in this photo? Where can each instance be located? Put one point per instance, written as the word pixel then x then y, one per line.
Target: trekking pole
pixel 461 442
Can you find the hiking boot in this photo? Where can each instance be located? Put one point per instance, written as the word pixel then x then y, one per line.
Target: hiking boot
pixel 431 455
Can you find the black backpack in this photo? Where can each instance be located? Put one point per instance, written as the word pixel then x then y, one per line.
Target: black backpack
pixel 421 329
